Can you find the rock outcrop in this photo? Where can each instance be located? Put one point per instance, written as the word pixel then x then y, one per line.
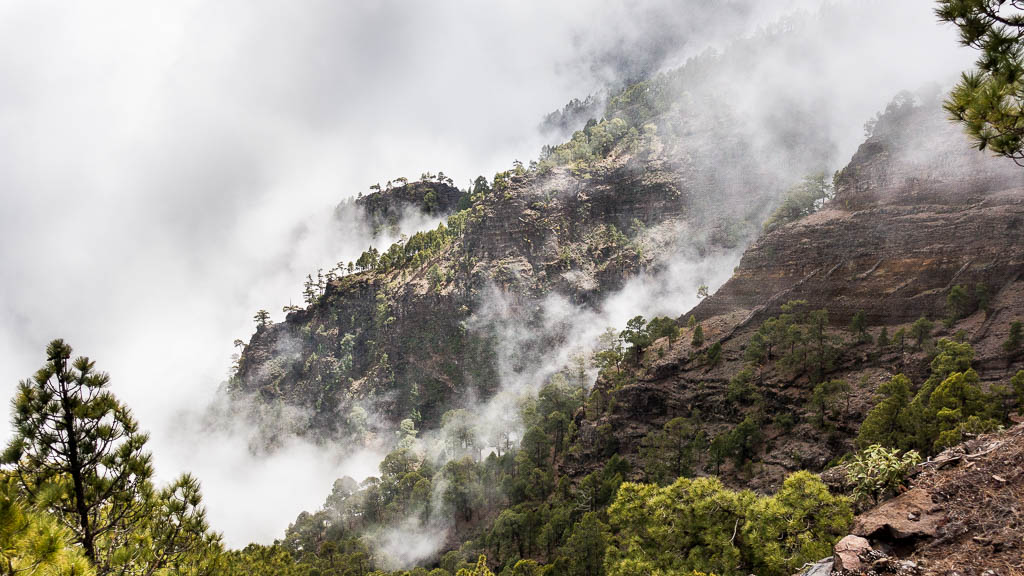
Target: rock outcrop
pixel 385 208
pixel 916 212
pixel 961 515
pixel 414 340
pixel 908 516
pixel 848 553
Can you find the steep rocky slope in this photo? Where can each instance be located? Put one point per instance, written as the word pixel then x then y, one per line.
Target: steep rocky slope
pixel 401 336
pixel 821 311
pixel 916 212
pixel 961 513
pixel 676 165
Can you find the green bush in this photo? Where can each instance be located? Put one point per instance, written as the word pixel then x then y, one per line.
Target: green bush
pixel 701 525
pixel 876 471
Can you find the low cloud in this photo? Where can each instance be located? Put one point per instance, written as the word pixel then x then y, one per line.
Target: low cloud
pixel 167 170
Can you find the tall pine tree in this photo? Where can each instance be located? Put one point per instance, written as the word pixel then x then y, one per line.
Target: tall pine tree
pixel 77 452
pixel 75 444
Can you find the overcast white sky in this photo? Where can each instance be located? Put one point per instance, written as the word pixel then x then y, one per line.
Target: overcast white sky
pixel 167 168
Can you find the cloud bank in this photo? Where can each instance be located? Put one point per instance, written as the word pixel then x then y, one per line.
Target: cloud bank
pixel 168 169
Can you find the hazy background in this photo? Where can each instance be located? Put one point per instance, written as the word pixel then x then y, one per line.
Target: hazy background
pixel 166 169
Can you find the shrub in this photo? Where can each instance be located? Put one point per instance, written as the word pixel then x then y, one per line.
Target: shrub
pixel 701 525
pixel 877 471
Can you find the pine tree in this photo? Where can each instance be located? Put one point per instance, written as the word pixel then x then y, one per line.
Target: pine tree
pixel 799 524
pixel 958 303
pixel 899 338
pixel 1013 341
pixel 309 290
pixel 714 354
pixel 669 453
pixel 77 453
pixel 1017 384
pixel 480 569
pixel 637 335
pixel 883 339
pixel 986 100
pixel 886 424
pixel 586 546
pixel 921 329
pixel 823 399
pixel 983 298
pixel 179 534
pixel 859 325
pixel 698 337
pixel 609 352
pixel 71 435
pixel 262 318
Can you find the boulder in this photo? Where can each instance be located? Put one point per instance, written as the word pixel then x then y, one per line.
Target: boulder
pixel 847 554
pixel 820 568
pixel 909 515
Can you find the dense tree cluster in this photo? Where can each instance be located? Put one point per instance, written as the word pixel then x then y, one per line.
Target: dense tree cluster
pixel 529 519
pixel 700 525
pixel 949 404
pixel 411 252
pixel 591 143
pixel 798 340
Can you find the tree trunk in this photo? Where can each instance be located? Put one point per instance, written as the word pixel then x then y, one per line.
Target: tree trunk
pixel 74 461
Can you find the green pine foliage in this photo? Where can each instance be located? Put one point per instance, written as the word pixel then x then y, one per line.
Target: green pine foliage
pixel 713 356
pixel 797 340
pixel 672 451
pixel 827 401
pixel 74 437
pixel 587 145
pixel 949 404
pixel 480 569
pixel 77 455
pixel 1017 385
pixel 697 340
pixel 986 100
pixel 887 424
pixel 637 335
pixel 742 389
pixel 664 327
pixel 32 542
pixel 859 326
pixel 698 524
pixel 921 331
pixel 883 339
pixel 1014 339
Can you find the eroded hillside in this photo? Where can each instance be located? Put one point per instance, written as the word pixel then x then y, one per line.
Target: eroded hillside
pixel 401 335
pixel 917 215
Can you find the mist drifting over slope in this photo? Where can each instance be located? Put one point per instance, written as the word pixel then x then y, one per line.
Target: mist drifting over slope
pixel 168 170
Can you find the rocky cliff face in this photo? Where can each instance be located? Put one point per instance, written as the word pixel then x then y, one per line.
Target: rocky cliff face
pixel 398 342
pixel 916 212
pixel 401 340
pixel 386 208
